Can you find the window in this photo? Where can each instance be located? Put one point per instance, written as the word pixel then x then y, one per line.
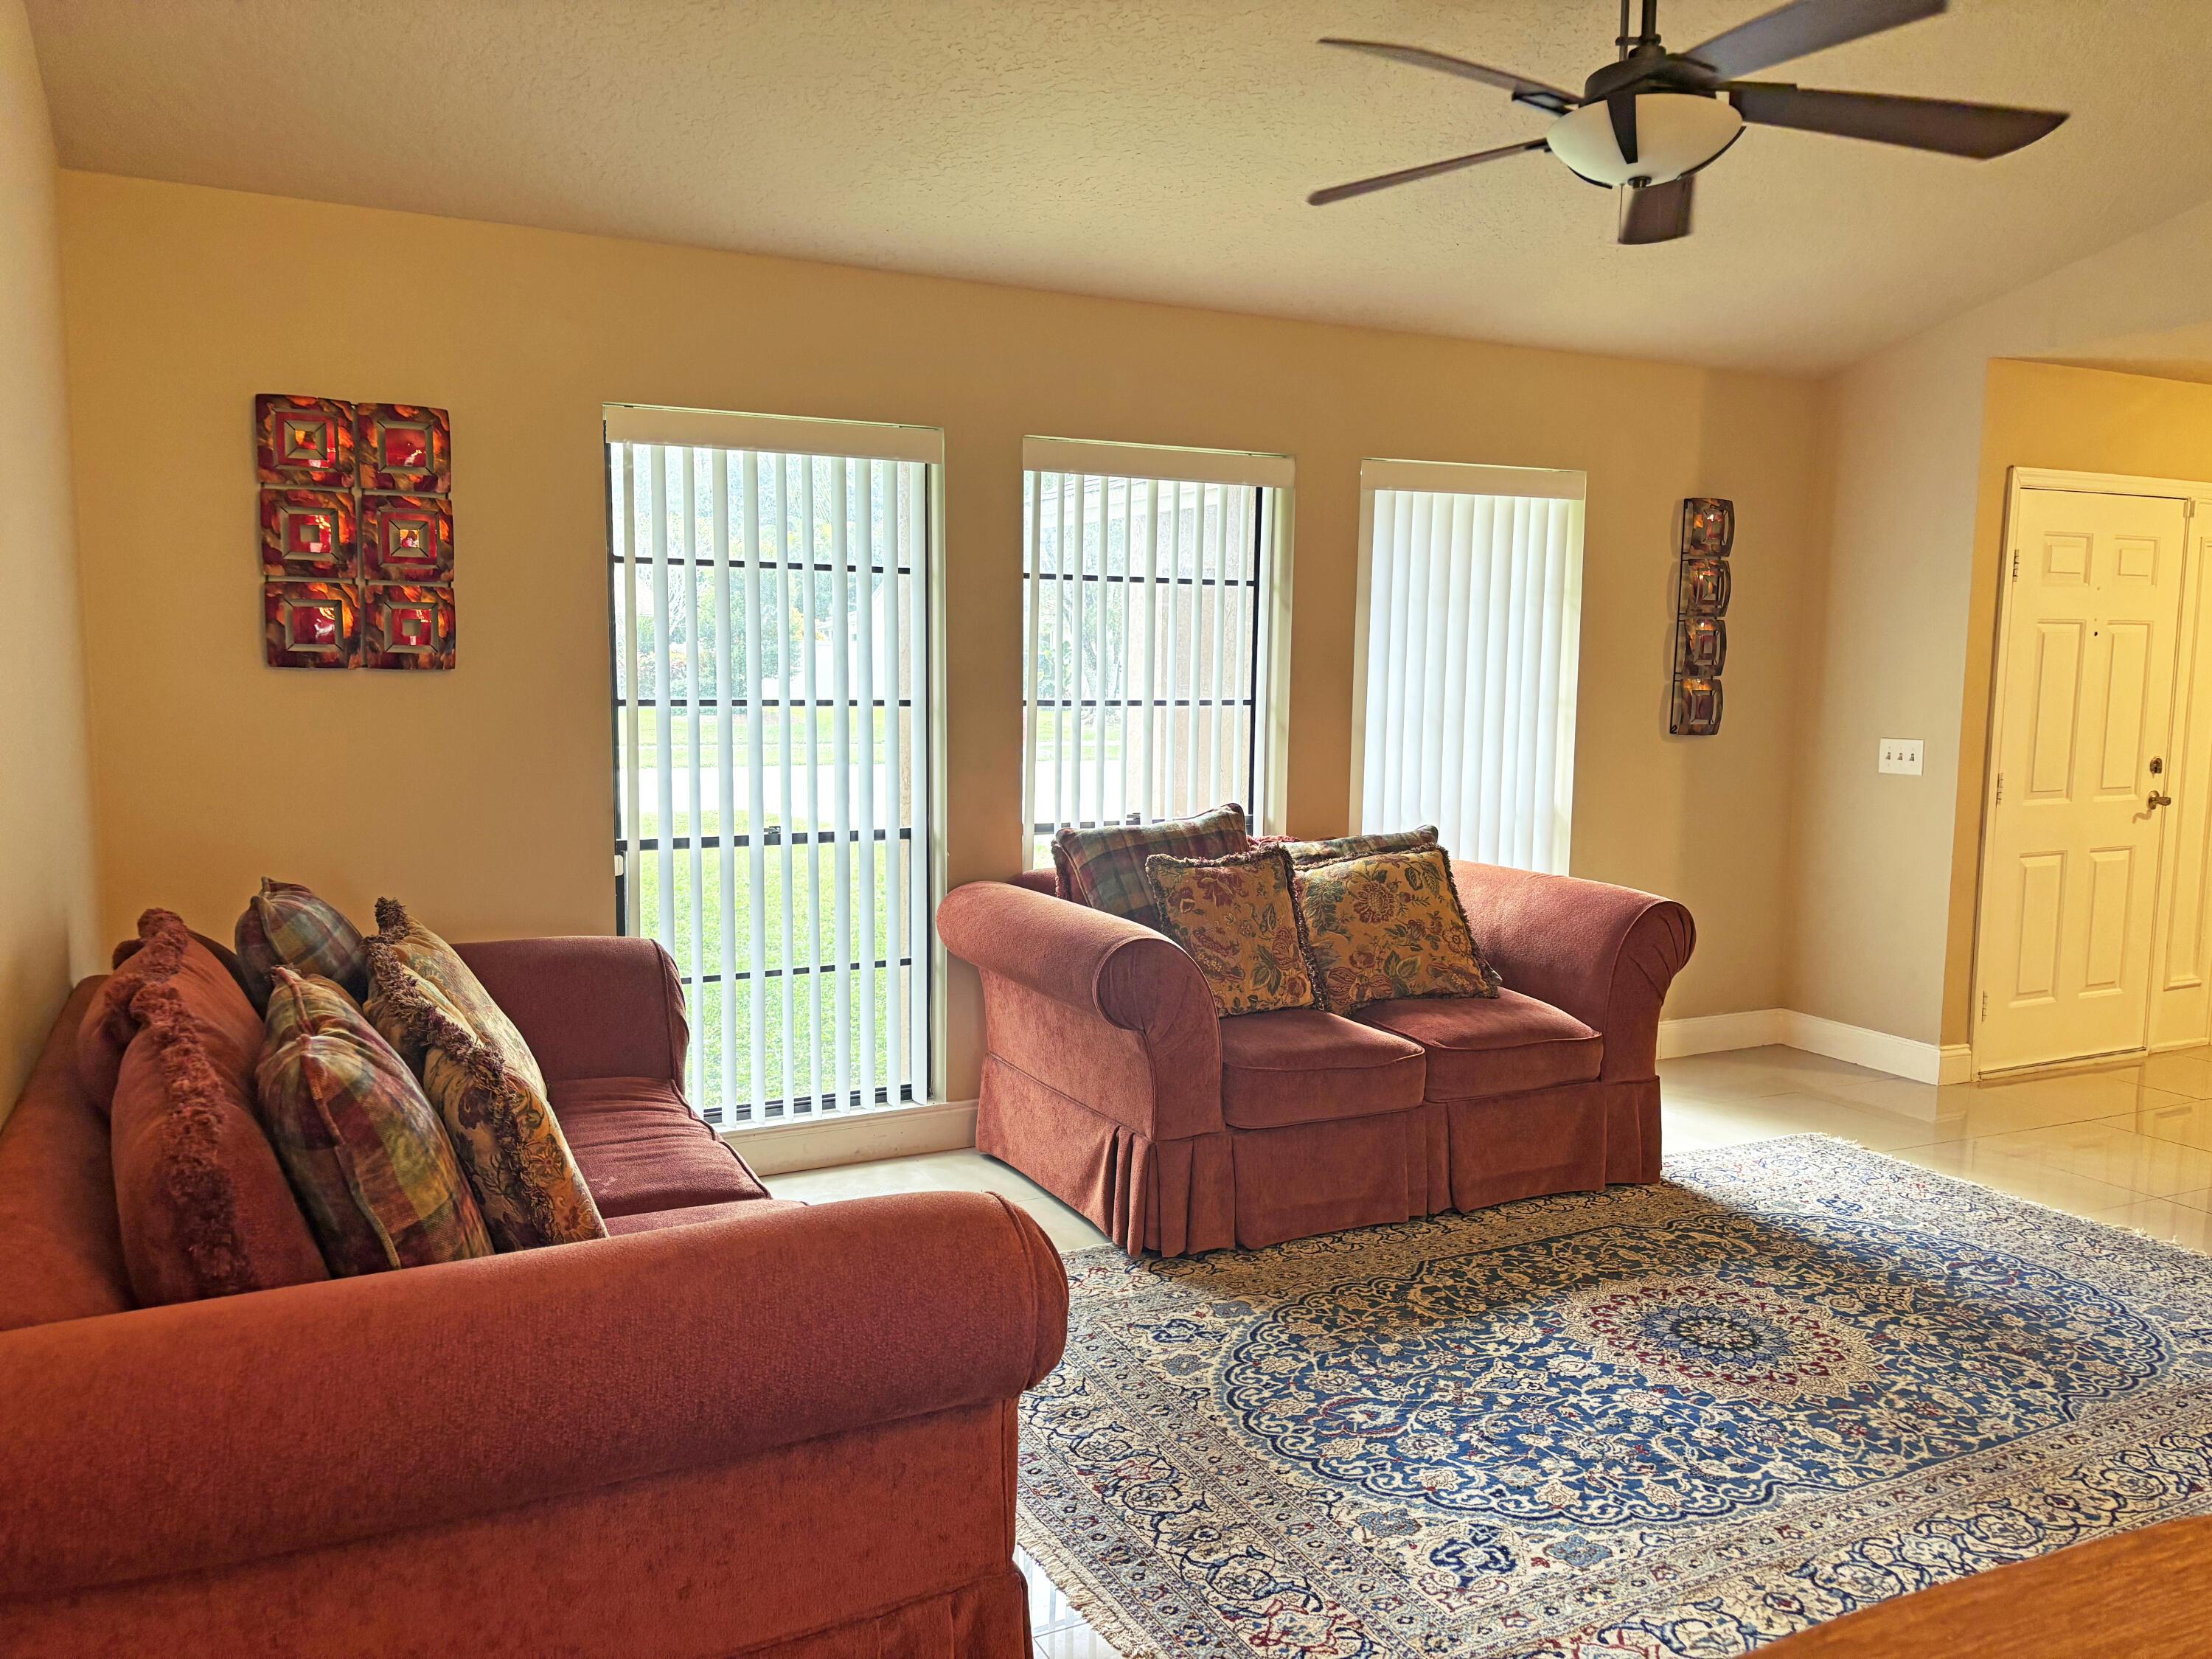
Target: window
pixel 1150 628
pixel 1471 620
pixel 771 698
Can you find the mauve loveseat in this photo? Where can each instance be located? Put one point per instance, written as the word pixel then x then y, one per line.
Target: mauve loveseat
pixel 1109 1081
pixel 737 1426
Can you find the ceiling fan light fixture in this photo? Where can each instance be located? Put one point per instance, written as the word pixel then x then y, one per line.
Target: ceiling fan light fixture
pixel 1675 133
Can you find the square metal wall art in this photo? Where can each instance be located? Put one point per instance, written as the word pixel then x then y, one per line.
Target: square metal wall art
pixel 406 446
pixel 1697 709
pixel 1708 528
pixel 406 538
pixel 311 624
pixel 304 441
pixel 355 533
pixel 1703 583
pixel 307 532
pixel 409 627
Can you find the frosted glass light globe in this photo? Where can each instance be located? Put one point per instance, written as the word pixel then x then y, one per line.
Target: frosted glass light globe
pixel 1676 132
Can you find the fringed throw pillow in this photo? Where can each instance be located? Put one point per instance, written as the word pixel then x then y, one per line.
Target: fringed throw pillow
pixel 483 1080
pixel 1237 919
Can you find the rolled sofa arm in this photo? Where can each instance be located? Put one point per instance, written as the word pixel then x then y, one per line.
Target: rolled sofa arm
pixel 210 1433
pixel 1604 954
pixel 588 1007
pixel 1105 1010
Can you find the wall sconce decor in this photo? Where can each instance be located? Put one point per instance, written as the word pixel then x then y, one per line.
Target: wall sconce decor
pixel 356 533
pixel 1701 616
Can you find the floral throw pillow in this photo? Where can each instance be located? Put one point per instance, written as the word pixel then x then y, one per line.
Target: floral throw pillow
pixel 1238 920
pixel 1387 926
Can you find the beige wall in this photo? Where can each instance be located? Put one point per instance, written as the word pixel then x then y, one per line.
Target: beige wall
pixel 1872 887
pixel 2077 420
pixel 483 795
pixel 47 934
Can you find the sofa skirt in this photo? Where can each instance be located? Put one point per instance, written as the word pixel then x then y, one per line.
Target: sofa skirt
pixel 1570 1139
pixel 1172 1197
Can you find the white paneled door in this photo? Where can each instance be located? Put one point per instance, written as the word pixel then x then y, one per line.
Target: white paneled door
pixel 2084 720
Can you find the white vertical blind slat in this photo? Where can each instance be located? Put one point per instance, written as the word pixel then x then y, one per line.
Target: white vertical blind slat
pixel 867 868
pixel 812 744
pixel 694 807
pixel 725 763
pixel 1145 683
pixel 895 849
pixel 1063 811
pixel 840 677
pixel 756 819
pixel 633 772
pixel 918 929
pixel 1032 623
pixel 788 820
pixel 664 722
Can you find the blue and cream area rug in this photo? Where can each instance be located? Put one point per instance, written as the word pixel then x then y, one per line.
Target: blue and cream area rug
pixel 1683 1419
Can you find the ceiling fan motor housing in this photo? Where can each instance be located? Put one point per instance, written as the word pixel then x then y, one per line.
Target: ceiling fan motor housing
pixel 1675 133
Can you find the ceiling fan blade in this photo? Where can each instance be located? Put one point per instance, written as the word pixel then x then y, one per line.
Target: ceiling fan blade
pixel 1656 213
pixel 1408 175
pixel 1621 110
pixel 1804 27
pixel 1539 92
pixel 1980 131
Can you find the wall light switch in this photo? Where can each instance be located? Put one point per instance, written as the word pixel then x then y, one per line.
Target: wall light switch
pixel 1900 755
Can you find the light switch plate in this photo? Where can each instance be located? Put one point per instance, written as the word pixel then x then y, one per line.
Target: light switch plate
pixel 1900 755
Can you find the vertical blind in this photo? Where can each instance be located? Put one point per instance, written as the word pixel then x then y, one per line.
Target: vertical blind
pixel 1473 600
pixel 1144 622
pixel 770 618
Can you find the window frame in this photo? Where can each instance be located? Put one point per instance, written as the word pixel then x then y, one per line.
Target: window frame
pixel 782 438
pixel 1453 479
pixel 1126 467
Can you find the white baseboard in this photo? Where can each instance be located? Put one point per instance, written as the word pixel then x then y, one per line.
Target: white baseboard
pixel 1713 1034
pixel 1878 1051
pixel 775 1149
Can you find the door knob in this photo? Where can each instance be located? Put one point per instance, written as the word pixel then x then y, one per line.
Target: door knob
pixel 2158 800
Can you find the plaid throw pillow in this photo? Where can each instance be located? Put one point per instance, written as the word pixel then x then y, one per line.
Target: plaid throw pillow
pixel 1105 868
pixel 1305 853
pixel 364 1145
pixel 286 924
pixel 1386 927
pixel 1236 918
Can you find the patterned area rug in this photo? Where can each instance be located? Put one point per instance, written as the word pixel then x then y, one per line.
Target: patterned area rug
pixel 1682 1419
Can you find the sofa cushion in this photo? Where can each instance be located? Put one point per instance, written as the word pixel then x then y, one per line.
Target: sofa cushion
pixel 1236 918
pixel 1501 1045
pixel 287 925
pixel 161 950
pixel 1104 867
pixel 641 1148
pixel 202 1203
pixel 1302 1066
pixel 483 1080
pixel 367 1152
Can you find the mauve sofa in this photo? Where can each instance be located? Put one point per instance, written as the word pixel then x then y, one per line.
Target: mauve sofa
pixel 739 1425
pixel 1109 1081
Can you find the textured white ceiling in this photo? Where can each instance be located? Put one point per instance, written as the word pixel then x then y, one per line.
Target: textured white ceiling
pixel 1158 149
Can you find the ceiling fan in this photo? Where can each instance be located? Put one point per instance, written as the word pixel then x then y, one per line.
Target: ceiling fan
pixel 1647 123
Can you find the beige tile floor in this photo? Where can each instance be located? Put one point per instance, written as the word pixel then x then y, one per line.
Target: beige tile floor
pixel 2130 1145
